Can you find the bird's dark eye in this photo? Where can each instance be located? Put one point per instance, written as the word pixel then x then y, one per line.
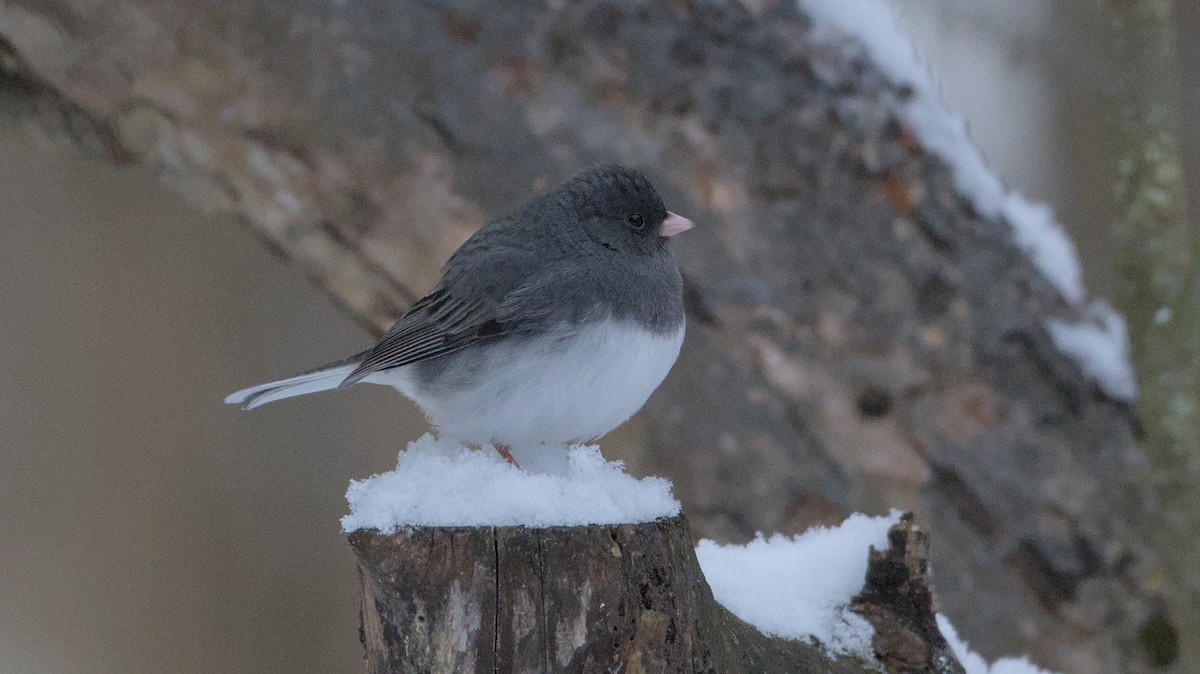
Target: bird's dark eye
pixel 636 221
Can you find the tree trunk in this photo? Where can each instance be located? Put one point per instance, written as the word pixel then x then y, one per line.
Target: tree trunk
pixel 860 337
pixel 625 598
pixel 1158 263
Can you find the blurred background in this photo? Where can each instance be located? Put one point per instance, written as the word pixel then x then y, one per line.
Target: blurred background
pixel 146 527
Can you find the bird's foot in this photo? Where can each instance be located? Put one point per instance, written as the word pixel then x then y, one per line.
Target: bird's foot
pixel 502 450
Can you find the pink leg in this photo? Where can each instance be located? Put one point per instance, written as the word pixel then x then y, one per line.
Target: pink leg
pixel 502 449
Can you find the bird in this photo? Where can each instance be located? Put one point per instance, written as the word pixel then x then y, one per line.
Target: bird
pixel 550 326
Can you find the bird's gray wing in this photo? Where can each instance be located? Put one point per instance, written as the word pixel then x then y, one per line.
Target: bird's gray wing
pixel 494 284
pixel 440 323
pixel 456 315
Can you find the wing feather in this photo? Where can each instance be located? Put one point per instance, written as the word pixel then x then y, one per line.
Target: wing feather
pixel 493 300
pixel 435 326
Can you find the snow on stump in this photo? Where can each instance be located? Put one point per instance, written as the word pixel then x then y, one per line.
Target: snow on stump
pixel 469 565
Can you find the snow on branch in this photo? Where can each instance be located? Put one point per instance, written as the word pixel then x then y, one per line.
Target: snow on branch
pixel 1099 346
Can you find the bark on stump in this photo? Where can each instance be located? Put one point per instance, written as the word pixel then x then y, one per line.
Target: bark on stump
pixel 603 598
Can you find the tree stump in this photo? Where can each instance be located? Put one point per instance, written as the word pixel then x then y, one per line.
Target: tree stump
pixel 898 602
pixel 602 598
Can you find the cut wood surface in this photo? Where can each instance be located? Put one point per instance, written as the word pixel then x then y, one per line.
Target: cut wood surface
pixel 628 598
pixel 860 337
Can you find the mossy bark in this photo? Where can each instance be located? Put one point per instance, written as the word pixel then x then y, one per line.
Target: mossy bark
pixel 1158 265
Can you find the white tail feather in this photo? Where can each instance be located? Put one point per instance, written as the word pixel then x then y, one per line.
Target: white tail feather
pixel 321 380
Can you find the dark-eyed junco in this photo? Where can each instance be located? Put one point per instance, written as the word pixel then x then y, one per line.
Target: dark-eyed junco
pixel 550 325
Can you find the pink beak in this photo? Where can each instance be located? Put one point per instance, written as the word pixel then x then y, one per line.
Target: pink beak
pixel 675 224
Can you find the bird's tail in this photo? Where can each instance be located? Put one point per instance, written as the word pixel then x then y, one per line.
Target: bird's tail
pixel 321 379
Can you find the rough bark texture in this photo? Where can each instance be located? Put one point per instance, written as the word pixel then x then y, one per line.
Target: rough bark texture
pixel 860 337
pixel 898 602
pixel 627 598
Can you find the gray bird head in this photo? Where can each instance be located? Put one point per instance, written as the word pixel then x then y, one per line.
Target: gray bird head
pixel 621 210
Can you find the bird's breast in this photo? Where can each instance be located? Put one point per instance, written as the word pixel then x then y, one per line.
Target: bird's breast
pixel 570 384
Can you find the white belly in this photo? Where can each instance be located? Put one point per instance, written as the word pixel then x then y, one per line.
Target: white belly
pixel 550 392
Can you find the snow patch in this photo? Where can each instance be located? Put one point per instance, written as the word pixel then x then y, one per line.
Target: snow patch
pixel 439 482
pixel 801 587
pixel 974 663
pixel 1101 347
pixel 1100 351
pixel 875 25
